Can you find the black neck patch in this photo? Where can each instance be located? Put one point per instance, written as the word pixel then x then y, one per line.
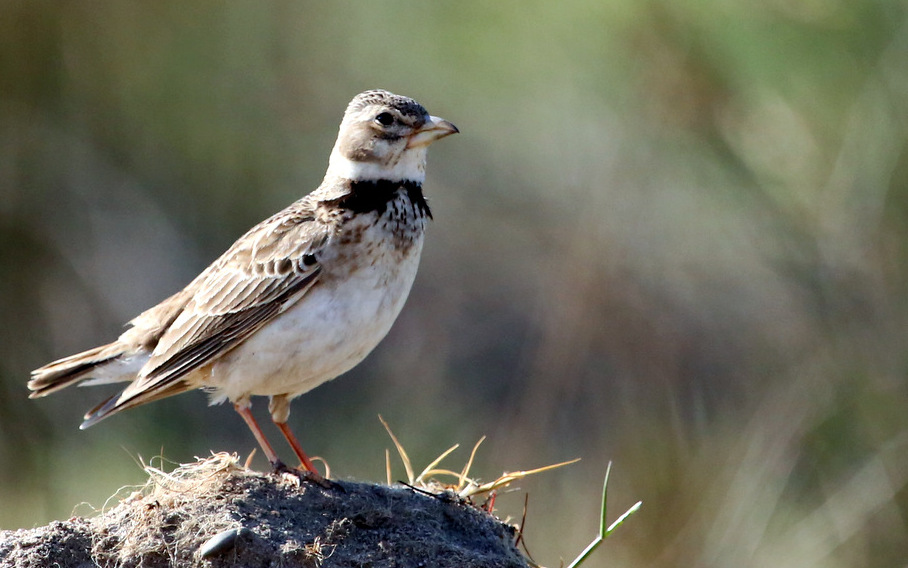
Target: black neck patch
pixel 368 196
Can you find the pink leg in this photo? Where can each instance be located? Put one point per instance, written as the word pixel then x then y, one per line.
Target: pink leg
pixel 297 449
pixel 259 435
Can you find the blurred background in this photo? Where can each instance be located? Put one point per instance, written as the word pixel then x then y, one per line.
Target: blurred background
pixel 673 235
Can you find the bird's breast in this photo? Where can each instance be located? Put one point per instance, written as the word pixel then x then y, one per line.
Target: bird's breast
pixel 367 271
pixel 381 239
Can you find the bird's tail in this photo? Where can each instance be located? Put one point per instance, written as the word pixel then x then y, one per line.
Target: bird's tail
pixel 71 370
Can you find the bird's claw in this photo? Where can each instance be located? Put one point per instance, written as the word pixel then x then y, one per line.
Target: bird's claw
pixel 301 474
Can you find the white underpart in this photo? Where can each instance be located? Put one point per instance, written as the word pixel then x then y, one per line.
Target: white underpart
pixel 324 335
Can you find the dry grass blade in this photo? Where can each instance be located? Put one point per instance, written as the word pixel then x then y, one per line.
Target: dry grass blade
pixel 194 478
pixel 523 524
pixel 400 450
pixel 388 466
pixel 445 472
pixel 469 464
pixel 324 463
pixel 421 478
pixel 508 477
pixel 465 487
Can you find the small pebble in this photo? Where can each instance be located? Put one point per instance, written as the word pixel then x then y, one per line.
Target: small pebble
pixel 221 542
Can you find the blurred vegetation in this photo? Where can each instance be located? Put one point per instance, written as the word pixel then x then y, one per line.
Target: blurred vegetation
pixel 671 235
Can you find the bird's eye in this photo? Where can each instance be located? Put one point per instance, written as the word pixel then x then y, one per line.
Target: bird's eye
pixel 385 119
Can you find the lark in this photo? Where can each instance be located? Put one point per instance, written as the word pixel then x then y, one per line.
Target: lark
pixel 299 299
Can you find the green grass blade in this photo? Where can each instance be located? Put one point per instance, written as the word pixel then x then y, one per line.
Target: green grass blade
pixel 623 517
pixel 603 531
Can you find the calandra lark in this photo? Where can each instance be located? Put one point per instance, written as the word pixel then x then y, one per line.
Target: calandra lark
pixel 299 299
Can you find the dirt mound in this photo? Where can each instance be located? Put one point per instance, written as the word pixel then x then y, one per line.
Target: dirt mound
pixel 215 513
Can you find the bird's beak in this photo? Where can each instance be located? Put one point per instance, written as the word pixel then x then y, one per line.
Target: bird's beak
pixel 434 129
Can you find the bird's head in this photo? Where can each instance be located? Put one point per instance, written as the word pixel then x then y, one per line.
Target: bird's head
pixel 385 136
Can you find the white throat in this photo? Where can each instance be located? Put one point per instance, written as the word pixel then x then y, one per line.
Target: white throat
pixel 410 167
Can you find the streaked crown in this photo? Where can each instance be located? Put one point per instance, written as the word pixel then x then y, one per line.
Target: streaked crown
pixel 378 97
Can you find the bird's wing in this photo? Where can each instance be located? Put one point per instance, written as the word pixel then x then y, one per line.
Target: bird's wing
pixel 260 276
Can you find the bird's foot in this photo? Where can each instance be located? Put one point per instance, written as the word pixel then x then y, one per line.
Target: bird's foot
pixel 302 474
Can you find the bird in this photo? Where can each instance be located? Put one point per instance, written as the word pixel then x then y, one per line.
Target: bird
pixel 298 300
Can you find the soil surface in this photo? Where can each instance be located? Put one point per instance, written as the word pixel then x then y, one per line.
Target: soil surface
pixel 215 513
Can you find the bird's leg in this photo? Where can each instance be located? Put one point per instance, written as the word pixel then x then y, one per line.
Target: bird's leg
pixel 297 449
pixel 246 413
pixel 309 472
pixel 279 406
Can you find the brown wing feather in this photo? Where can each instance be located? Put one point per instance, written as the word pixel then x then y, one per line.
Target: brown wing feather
pixel 261 275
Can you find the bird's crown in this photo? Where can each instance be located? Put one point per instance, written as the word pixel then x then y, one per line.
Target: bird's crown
pixel 404 105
